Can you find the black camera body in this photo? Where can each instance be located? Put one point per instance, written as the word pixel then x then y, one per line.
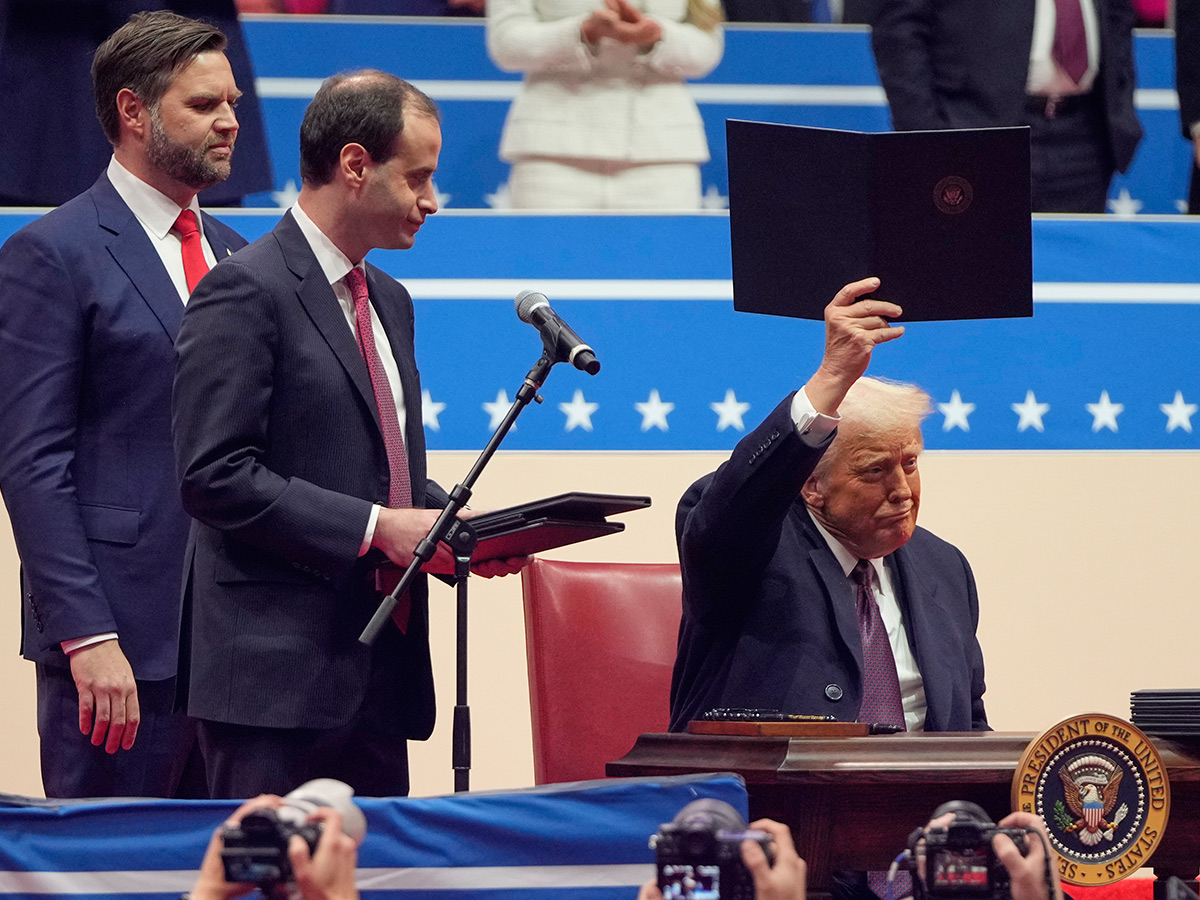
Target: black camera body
pixel 255 849
pixel 699 855
pixel 959 859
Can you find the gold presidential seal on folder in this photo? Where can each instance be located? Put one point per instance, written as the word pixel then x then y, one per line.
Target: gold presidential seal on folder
pixel 1101 788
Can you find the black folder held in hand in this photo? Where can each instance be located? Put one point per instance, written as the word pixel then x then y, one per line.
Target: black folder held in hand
pixel 553 522
pixel 941 217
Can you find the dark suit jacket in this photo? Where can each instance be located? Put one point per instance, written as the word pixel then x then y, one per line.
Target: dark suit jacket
pixel 769 616
pixel 1187 80
pixel 88 318
pixel 964 64
pixel 281 457
pixel 52 141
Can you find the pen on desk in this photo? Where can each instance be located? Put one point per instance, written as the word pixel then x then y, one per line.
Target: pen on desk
pixel 884 728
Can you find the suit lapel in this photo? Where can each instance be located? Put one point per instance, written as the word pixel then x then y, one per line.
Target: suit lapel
pixel 917 606
pixel 837 588
pixel 317 297
pixel 215 239
pixel 136 256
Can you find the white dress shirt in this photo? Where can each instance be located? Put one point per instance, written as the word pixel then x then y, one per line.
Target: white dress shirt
pixel 336 266
pixel 156 213
pixel 1045 75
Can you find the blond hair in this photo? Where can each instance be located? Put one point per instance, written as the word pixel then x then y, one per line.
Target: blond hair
pixel 877 408
pixel 704 15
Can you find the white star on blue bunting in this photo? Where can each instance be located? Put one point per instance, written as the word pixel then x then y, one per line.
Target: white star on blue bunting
pixel 654 412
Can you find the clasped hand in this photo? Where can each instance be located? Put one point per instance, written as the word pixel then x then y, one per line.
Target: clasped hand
pixel 623 22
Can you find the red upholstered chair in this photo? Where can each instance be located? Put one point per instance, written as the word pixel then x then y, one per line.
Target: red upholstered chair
pixel 600 643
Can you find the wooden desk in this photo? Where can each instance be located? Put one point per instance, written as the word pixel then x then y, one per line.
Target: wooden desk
pixel 852 802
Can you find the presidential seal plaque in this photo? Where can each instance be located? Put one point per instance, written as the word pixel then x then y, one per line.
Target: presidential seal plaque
pixel 1102 790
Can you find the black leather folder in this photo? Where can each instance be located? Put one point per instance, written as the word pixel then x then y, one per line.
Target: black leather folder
pixel 941 217
pixel 548 523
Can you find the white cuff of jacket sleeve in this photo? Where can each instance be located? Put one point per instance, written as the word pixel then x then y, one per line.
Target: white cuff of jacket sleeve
pixel 69 647
pixel 370 535
pixel 813 427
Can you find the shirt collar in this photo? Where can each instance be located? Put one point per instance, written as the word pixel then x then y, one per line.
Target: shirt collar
pixel 154 209
pixel 845 558
pixel 334 263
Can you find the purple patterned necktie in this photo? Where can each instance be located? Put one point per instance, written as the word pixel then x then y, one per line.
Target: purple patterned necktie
pixel 881 686
pixel 399 485
pixel 881 692
pixel 1070 40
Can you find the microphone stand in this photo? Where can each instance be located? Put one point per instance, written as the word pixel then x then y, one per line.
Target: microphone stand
pixel 461 540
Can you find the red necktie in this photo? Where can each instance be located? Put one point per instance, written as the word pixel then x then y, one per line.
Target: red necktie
pixel 881 693
pixel 195 266
pixel 399 486
pixel 1070 40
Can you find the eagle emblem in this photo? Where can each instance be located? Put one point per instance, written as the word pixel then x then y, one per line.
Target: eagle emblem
pixel 1091 784
pixel 953 194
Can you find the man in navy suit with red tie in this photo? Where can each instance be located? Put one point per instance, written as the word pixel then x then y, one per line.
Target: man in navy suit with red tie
pixel 91 297
pixel 301 451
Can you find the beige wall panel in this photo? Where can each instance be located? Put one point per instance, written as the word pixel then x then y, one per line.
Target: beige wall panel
pixel 1082 562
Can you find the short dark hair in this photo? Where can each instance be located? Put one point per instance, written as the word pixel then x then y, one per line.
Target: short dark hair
pixel 144 55
pixel 365 107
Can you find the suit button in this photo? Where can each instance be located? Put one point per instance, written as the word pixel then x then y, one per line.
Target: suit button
pixel 833 692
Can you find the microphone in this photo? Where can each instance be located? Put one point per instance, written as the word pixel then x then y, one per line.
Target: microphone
pixel 557 336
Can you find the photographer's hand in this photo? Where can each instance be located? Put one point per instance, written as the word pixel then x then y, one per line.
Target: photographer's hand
pixel 786 879
pixel 329 873
pixel 783 881
pixel 1028 873
pixel 211 883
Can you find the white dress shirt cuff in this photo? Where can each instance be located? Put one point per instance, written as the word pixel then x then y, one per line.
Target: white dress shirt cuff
pixel 370 535
pixel 813 427
pixel 69 647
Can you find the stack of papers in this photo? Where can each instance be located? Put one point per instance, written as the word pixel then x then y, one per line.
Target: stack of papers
pixel 1167 713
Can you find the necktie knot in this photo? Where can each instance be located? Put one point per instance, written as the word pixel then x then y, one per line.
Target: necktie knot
pixel 356 281
pixel 195 266
pixel 862 575
pixel 185 224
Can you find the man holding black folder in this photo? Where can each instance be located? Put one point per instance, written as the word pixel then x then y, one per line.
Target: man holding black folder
pixel 807 587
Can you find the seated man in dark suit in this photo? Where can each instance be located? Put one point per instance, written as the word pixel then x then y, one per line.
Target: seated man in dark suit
pixel 807 586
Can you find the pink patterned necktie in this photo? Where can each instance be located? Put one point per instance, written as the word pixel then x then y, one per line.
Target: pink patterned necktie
pixel 881 693
pixel 1070 40
pixel 399 486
